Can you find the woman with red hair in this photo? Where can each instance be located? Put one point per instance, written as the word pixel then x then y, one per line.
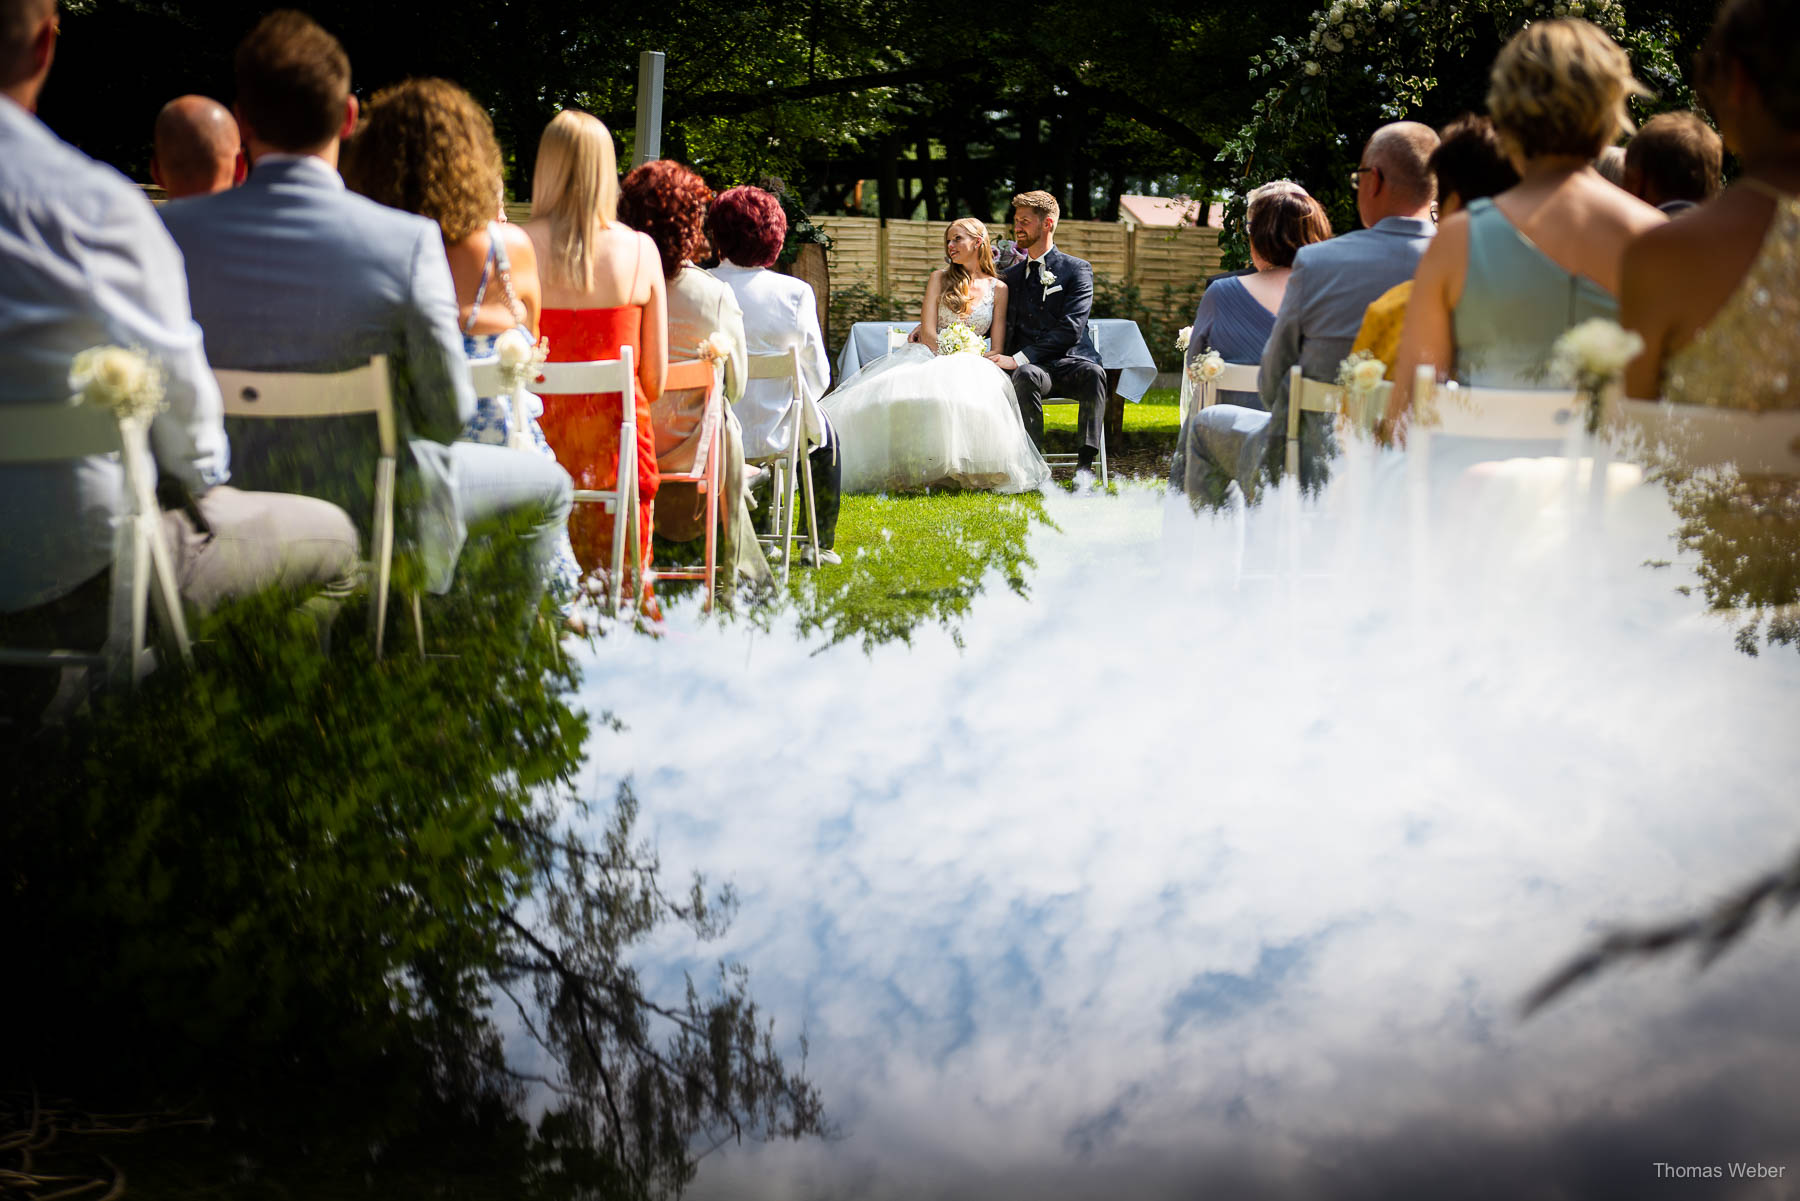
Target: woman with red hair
pixel 667 201
pixel 747 228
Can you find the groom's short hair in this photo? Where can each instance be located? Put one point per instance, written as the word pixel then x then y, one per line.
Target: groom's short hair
pixel 1039 202
pixel 292 81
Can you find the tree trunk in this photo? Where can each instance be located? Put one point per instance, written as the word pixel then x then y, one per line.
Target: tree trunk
pixel 810 266
pixel 1081 190
pixel 890 178
pixel 1025 175
pixel 1115 189
pixel 934 209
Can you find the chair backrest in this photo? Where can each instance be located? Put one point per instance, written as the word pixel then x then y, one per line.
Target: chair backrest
pixel 598 376
pixel 780 364
pixel 1236 377
pixel 56 432
pixel 896 338
pixel 488 377
pixel 1698 436
pixel 292 394
pixel 1495 413
pixel 710 375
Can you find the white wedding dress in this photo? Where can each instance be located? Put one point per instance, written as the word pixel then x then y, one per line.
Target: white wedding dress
pixel 914 418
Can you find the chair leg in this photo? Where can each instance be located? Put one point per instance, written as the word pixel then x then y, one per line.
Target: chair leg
pixel 384 551
pixel 418 622
pixel 712 519
pixel 787 515
pixel 1103 456
pixel 622 503
pixel 812 511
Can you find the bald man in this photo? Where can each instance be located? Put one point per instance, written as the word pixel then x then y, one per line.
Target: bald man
pixel 198 149
pixel 1332 284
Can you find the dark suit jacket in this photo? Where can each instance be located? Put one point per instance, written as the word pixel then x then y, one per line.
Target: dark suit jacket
pixel 1049 322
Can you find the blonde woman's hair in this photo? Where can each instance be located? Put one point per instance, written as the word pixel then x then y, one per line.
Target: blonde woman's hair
pixel 1560 87
pixel 956 276
pixel 575 186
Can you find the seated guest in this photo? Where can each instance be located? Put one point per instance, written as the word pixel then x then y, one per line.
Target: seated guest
pixel 667 201
pixel 1331 285
pixel 291 272
pixel 1509 275
pixel 747 228
pixel 1716 295
pixel 1674 162
pixel 67 222
pixel 426 147
pixel 603 290
pixel 197 150
pixel 1468 164
pixel 1237 312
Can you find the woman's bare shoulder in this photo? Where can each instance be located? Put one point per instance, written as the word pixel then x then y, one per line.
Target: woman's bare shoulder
pixel 518 243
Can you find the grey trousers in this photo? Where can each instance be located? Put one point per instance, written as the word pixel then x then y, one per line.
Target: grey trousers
pixel 254 542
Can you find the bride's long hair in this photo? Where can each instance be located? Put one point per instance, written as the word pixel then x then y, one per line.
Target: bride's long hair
pixel 957 277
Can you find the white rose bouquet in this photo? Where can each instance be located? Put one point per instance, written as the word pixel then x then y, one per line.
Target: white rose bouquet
pixel 960 339
pixel 1591 356
pixel 127 381
pixel 1207 367
pixel 1361 373
pixel 520 361
pixel 1183 338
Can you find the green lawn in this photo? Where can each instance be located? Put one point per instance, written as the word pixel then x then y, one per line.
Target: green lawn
pixel 921 557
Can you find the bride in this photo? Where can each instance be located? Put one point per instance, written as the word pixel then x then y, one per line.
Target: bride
pixel 927 414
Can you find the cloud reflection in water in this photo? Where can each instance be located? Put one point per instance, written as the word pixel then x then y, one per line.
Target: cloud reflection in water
pixel 1170 882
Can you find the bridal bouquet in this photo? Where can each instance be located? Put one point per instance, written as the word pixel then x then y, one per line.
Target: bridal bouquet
pixel 1591 356
pixel 960 339
pixel 520 361
pixel 129 382
pixel 1207 367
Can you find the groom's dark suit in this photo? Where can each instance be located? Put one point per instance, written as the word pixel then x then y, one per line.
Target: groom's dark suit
pixel 1046 330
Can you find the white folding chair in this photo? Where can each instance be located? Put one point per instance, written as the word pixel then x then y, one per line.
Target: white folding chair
pixel 143 570
pixel 621 500
pixel 1317 396
pixel 360 391
pixel 706 473
pixel 1236 377
pixel 784 467
pixel 1697 436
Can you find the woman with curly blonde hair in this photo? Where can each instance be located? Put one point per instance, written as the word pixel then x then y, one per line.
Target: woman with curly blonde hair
pixel 932 412
pixel 425 146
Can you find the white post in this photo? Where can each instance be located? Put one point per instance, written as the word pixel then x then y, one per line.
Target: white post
pixel 649 107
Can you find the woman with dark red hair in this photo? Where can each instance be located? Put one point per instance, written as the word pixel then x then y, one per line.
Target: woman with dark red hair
pixel 668 201
pixel 747 228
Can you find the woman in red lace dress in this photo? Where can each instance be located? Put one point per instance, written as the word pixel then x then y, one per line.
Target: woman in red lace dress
pixel 603 290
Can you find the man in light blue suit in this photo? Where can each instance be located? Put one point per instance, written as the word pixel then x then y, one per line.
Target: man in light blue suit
pixel 1332 284
pixel 292 272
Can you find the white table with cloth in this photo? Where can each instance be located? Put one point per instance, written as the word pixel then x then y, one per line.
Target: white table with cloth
pixel 1129 368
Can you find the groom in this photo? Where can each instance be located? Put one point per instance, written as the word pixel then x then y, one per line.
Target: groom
pixel 1048 352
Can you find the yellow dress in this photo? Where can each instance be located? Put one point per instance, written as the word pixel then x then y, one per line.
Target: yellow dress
pixel 1748 355
pixel 1381 325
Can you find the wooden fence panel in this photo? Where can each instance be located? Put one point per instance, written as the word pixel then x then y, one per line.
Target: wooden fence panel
pixel 1166 265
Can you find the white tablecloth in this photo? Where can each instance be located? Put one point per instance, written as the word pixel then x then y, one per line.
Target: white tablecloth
pixel 1120 343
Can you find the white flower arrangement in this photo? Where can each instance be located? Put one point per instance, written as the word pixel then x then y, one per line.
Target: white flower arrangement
pixel 1182 338
pixel 1361 373
pixel 1591 356
pixel 1207 367
pixel 960 339
pixel 127 381
pixel 716 347
pixel 521 362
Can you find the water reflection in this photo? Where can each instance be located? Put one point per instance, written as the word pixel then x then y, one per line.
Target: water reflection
pixel 1191 872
